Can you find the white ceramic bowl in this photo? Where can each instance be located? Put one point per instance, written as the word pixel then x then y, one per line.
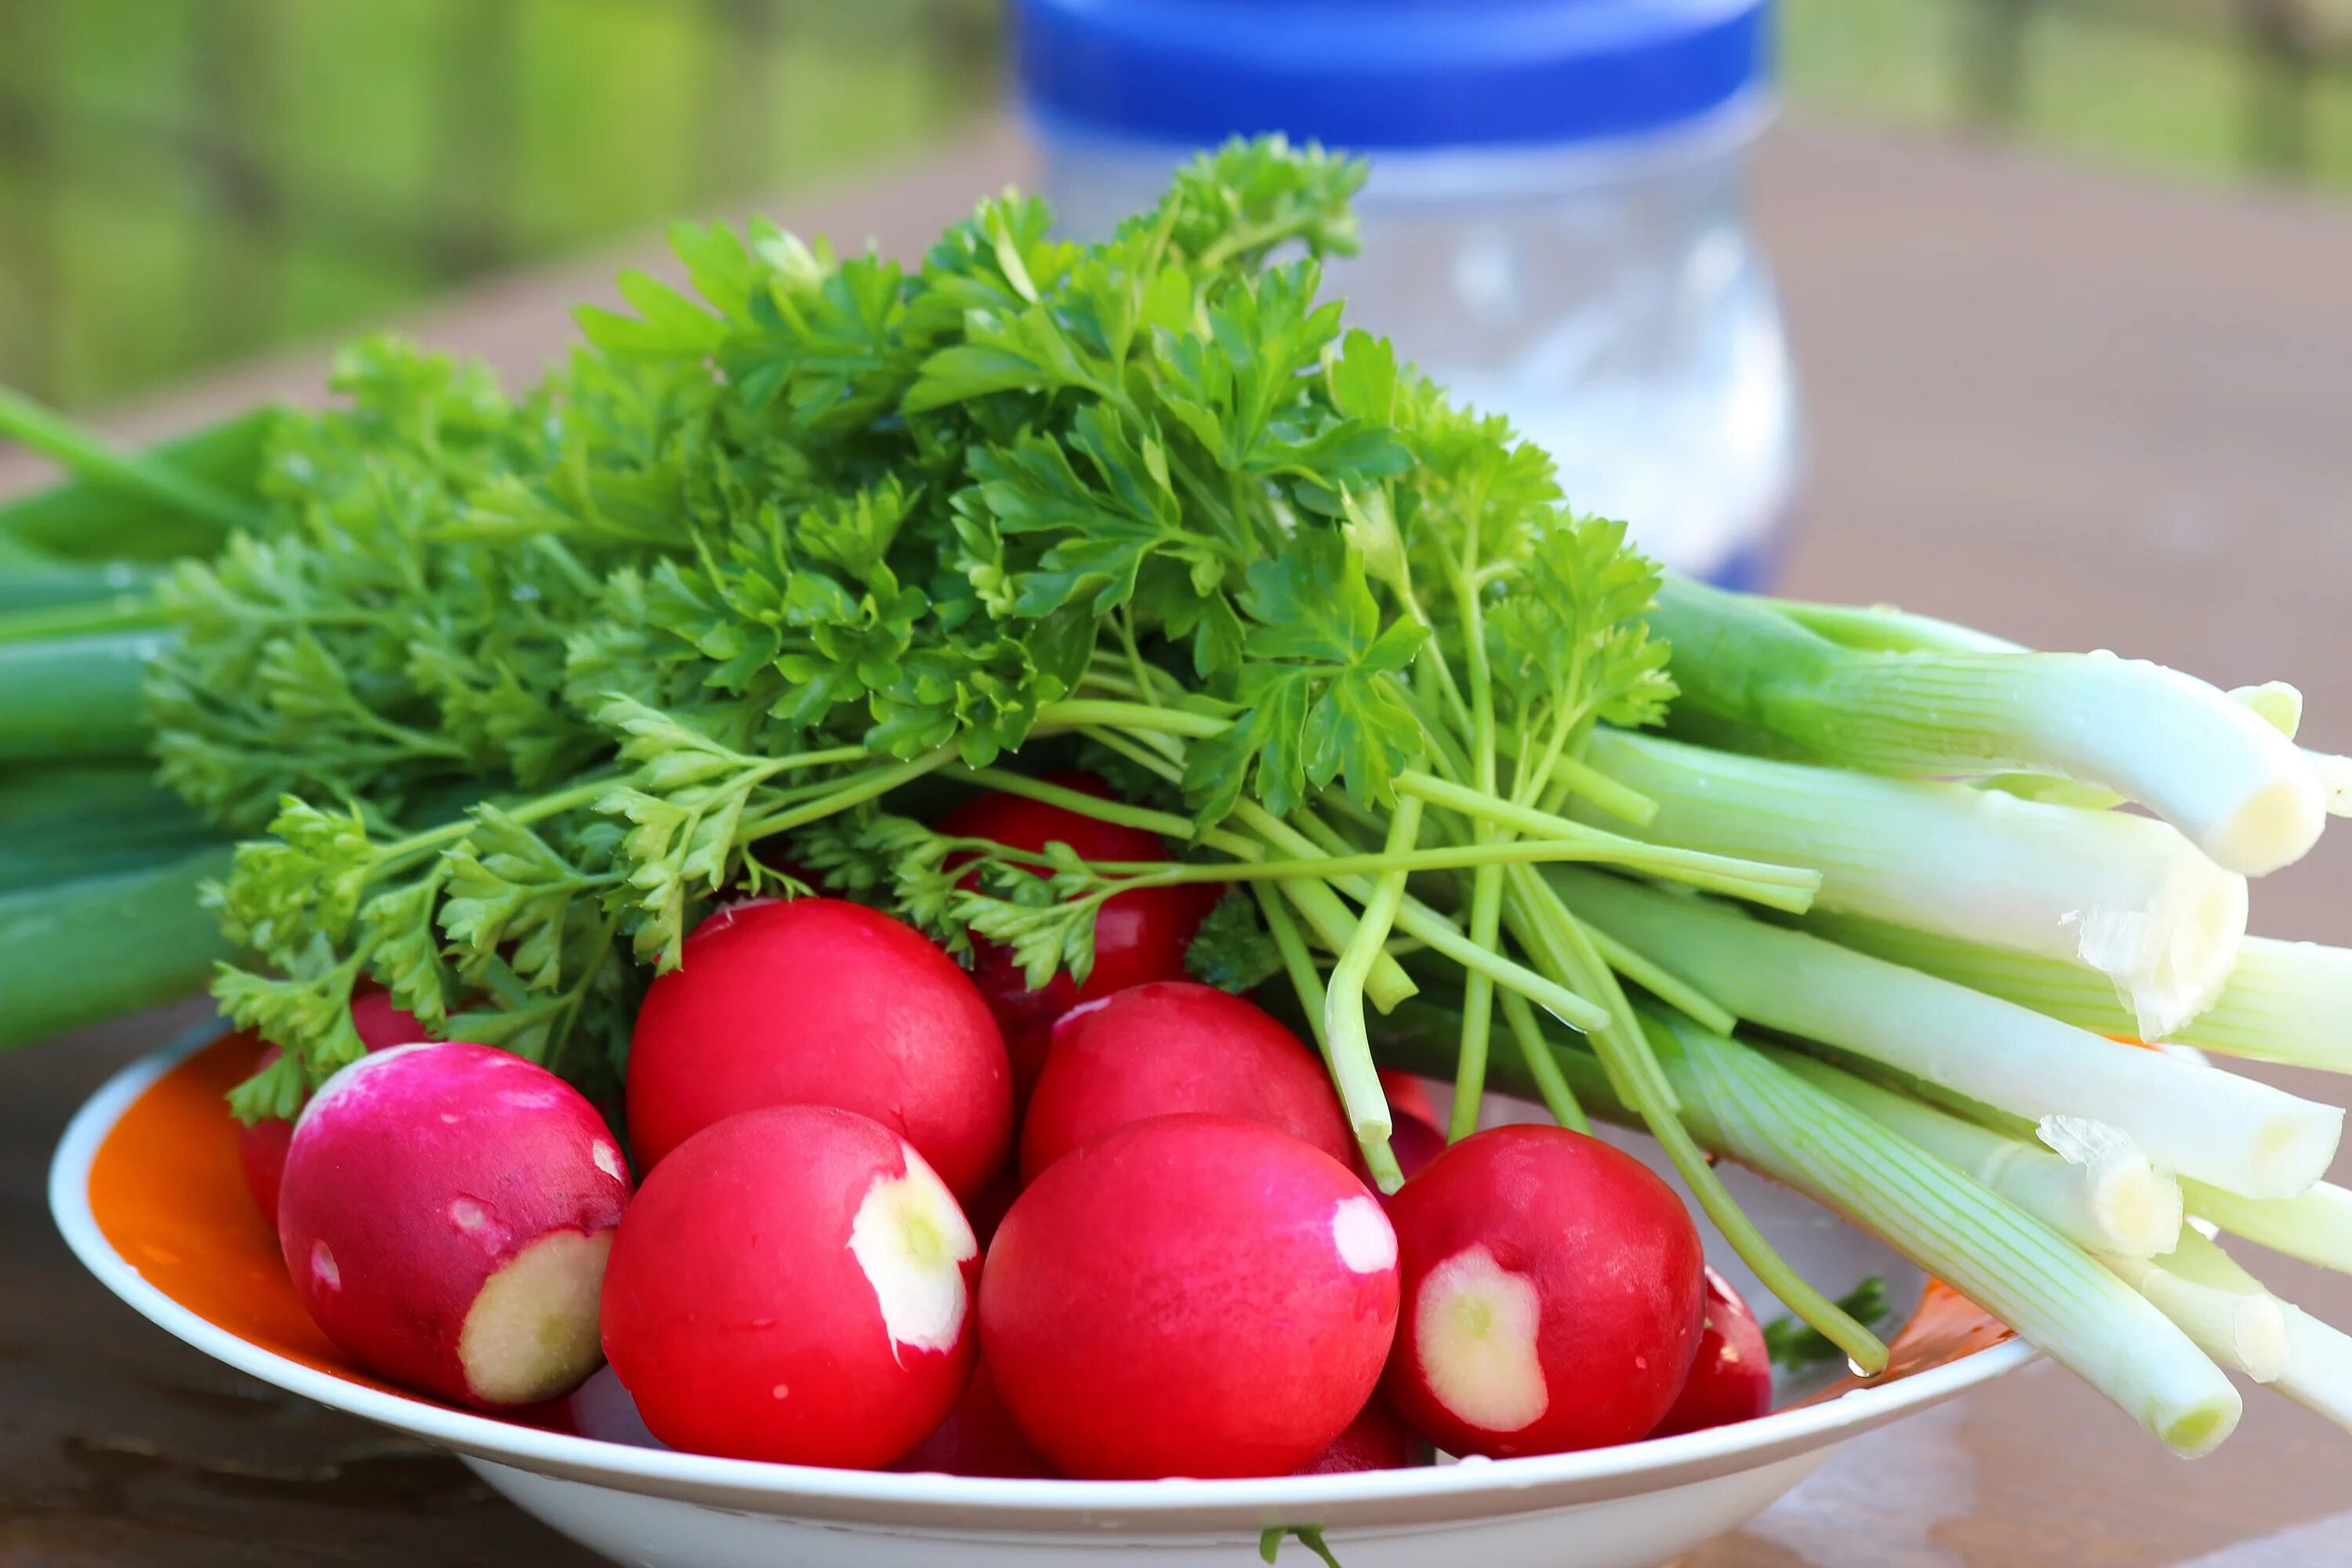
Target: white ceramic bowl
pixel 1627 1507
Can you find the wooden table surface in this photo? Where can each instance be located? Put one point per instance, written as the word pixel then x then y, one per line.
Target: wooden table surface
pixel 2070 406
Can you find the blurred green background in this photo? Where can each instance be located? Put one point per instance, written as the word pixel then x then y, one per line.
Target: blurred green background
pixel 187 181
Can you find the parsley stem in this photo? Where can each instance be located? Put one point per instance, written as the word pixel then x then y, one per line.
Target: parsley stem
pixel 1073 714
pixel 1625 1049
pixel 1589 784
pixel 1149 761
pixel 401 852
pixel 1446 939
pixel 1166 824
pixel 1779 887
pixel 857 790
pixel 1388 983
pixel 1369 863
pixel 1343 1006
pixel 1487 887
pixel 1296 962
pixel 1551 1084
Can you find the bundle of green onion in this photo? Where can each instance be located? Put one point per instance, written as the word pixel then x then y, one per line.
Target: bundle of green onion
pixel 502 693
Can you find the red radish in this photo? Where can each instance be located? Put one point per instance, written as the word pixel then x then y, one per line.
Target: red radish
pixel 978 1438
pixel 1552 1287
pixel 1169 1047
pixel 1191 1296
pixel 821 1002
pixel 1408 1095
pixel 794 1284
pixel 1731 1380
pixel 1415 1142
pixel 261 1145
pixel 445 1216
pixel 1139 936
pixel 261 1149
pixel 1374 1440
pixel 382 1023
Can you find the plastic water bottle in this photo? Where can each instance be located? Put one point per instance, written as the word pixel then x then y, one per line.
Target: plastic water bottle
pixel 1555 226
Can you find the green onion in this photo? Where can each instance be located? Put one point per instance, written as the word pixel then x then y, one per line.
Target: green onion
pixel 70 824
pixel 1884 628
pixel 75 699
pixel 1994 1253
pixel 2216 1303
pixel 2318 1374
pixel 2314 1226
pixel 2231 1132
pixel 2209 766
pixel 158 479
pixel 2286 1002
pixel 2125 895
pixel 2111 1200
pixel 89 951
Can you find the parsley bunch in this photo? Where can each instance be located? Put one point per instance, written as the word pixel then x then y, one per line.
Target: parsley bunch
pixel 504 692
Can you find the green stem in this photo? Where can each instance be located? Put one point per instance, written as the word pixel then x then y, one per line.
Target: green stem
pixel 1388 983
pixel 1551 1084
pixel 84 453
pixel 86 952
pixel 1453 858
pixel 1343 1009
pixel 1604 794
pixel 1149 761
pixel 75 699
pixel 1784 887
pixel 1296 963
pixel 1079 712
pixel 1667 987
pixel 1638 1067
pixel 1446 939
pixel 1167 825
pixel 1487 887
pixel 115 613
pixel 859 789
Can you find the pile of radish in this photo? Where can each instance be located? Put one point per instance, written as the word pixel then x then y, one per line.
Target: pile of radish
pixel 889 1211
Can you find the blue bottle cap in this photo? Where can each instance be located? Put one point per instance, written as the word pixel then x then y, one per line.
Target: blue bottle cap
pixel 1388 74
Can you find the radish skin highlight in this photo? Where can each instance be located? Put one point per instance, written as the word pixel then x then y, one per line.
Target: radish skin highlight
pixel 1731 1377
